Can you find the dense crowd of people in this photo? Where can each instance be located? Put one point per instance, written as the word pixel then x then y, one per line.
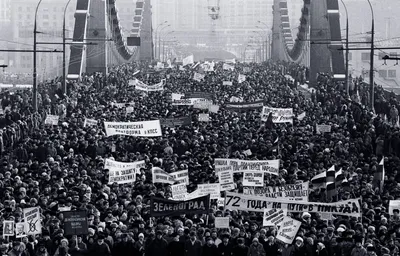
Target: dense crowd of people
pixel 60 166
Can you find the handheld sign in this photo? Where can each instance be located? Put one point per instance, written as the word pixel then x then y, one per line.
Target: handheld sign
pixel 75 223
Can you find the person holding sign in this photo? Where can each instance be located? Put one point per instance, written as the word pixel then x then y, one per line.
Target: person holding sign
pixel 256 249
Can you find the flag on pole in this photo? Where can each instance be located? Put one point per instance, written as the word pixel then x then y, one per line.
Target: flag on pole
pixel 330 183
pixel 319 180
pixel 379 175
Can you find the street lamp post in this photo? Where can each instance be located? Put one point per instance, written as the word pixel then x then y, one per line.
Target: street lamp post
pixel 163 45
pixel 34 100
pixel 159 40
pixel 347 50
pixel 64 83
pixel 155 39
pixel 371 68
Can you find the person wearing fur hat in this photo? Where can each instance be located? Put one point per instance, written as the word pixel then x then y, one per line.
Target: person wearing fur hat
pixel 209 248
pixel 256 249
pixel 358 250
pixel 225 248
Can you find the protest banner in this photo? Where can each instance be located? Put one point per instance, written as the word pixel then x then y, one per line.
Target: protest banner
pixel 279 115
pixel 75 223
pixel 226 180
pixel 235 201
pixel 213 108
pixel 394 205
pixel 149 88
pixel 135 129
pixel 202 104
pixel 176 121
pixel 164 207
pixel 122 176
pixel 253 179
pixel 247 152
pixel 113 165
pixel 179 191
pixel 288 230
pixel 221 222
pixel 8 228
pixel 33 224
pixel 185 102
pixel 294 192
pixel 238 106
pixel 89 122
pixel 326 216
pixel 64 208
pixel 267 166
pixel 204 117
pixel 273 217
pixel 198 95
pixel 181 176
pixel 176 96
pixel 241 78
pixel 161 176
pixel 51 120
pixel 122 105
pixel 229 83
pixel 20 230
pixel 212 189
pixel 321 128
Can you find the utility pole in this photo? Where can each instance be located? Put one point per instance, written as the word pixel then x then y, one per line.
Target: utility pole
pixel 34 100
pixel 64 82
pixel 347 51
pixel 371 69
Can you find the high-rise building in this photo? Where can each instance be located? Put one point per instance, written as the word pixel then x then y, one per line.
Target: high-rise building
pixel 49 25
pixel 4 11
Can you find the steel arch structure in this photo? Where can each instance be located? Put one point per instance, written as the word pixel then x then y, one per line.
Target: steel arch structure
pixel 318 39
pixel 98 22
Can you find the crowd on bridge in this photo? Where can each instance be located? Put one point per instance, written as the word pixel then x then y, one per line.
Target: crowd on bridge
pixel 60 166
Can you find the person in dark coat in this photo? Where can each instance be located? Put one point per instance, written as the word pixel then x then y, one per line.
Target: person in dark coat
pixel 210 249
pixel 100 248
pixel 193 246
pixel 240 249
pixel 124 247
pixel 271 247
pixel 321 250
pixel 158 247
pixel 175 247
pixel 298 248
pixel 225 248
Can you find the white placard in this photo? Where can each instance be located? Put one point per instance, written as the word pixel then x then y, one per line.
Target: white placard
pixel 273 217
pixel 8 228
pixel 295 192
pixel 161 176
pixel 393 204
pixel 179 191
pixel 221 222
pixel 321 128
pixel 20 230
pixel 226 180
pixel 204 117
pixel 212 189
pixel 33 224
pixel 89 122
pixel 51 120
pixel 253 179
pixel 267 166
pixel 181 176
pixel 288 230
pixel 279 115
pixel 135 129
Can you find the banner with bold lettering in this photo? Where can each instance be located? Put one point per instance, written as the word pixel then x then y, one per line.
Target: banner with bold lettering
pixel 288 230
pixel 235 201
pixel 295 192
pixel 212 189
pixel 176 121
pixel 51 120
pixel 273 217
pixel 176 96
pixel 202 104
pixel 163 207
pixel 149 88
pixel 181 176
pixel 226 180
pixel 179 191
pixel 113 165
pixel 89 122
pixel 122 105
pixel 33 224
pixel 322 128
pixel 253 179
pixel 213 108
pixel 135 129
pixel 237 106
pixel 198 95
pixel 123 176
pixel 229 83
pixel 161 176
pixel 279 115
pixel 185 102
pixel 267 166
